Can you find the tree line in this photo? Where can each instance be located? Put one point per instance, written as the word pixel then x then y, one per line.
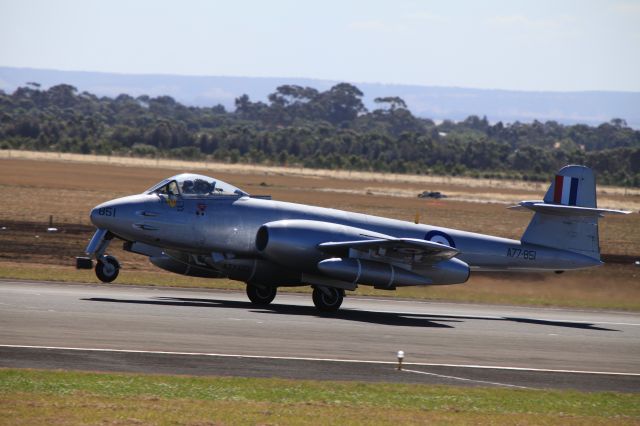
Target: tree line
pixel 301 126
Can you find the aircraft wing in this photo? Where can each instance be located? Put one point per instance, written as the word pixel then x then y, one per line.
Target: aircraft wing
pixel 406 250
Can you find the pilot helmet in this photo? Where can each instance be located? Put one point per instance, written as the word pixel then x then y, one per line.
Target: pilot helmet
pixel 201 186
pixel 187 186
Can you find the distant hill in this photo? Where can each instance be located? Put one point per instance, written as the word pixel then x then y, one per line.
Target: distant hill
pixel 438 103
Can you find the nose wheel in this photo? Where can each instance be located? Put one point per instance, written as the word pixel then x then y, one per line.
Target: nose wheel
pixel 107 269
pixel 328 299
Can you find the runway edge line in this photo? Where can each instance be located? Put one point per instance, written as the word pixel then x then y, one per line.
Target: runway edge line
pixel 356 361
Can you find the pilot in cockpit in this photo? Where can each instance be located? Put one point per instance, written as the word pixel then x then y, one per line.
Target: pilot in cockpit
pixel 201 186
pixel 194 185
pixel 187 187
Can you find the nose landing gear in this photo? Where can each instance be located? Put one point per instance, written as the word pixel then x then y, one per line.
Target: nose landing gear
pixel 107 269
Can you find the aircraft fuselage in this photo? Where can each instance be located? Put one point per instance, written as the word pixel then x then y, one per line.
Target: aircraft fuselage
pixel 230 223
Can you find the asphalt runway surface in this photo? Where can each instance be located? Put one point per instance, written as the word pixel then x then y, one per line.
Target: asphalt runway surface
pixel 219 333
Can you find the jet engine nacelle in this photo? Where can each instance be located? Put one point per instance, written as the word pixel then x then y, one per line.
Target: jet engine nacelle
pixel 387 276
pixel 380 275
pixel 450 271
pixel 294 243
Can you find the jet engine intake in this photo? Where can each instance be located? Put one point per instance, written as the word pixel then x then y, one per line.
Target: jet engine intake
pixel 294 243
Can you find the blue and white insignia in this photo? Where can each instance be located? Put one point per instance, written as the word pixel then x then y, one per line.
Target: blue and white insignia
pixel 440 238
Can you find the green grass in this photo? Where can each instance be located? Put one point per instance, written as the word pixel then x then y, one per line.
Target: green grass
pixel 614 288
pixel 39 397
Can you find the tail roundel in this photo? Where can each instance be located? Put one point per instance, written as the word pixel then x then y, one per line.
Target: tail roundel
pixel 566 190
pixel 573 186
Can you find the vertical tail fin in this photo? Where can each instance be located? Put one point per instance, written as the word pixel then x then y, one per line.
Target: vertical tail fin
pixel 574 227
pixel 573 186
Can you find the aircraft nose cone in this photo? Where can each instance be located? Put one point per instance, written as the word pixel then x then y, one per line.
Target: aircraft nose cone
pixel 93 216
pixel 104 215
pixel 118 215
pixel 98 217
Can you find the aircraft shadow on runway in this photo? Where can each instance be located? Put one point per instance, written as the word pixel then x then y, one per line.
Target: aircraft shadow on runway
pixel 382 318
pixel 374 317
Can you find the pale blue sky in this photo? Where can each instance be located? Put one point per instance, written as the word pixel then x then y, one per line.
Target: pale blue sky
pixel 522 45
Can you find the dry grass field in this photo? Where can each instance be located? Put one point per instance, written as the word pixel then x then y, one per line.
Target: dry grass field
pixel 68 187
pixel 33 397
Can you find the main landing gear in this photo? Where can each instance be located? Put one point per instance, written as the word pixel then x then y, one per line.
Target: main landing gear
pixel 328 299
pixel 262 295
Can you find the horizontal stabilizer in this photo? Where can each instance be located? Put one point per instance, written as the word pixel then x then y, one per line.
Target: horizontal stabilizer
pixel 563 210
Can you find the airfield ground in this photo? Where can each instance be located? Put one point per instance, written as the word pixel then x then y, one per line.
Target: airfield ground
pixel 176 356
pixel 40 397
pixel 38 185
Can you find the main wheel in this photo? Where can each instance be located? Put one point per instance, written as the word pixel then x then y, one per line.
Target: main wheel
pixel 107 269
pixel 328 302
pixel 261 295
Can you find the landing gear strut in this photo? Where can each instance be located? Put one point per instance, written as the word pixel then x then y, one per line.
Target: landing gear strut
pixel 262 295
pixel 107 269
pixel 328 299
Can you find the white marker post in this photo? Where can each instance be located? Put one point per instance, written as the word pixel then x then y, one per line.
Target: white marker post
pixel 400 358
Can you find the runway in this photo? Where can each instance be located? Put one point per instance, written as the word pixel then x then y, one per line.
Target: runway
pixel 207 332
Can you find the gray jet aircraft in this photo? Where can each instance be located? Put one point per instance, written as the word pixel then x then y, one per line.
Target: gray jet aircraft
pixel 200 226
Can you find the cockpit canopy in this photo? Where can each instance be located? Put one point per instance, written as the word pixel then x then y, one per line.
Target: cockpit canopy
pixel 193 185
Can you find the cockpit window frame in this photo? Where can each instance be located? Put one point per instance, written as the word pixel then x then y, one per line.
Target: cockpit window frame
pixel 218 187
pixel 157 186
pixel 160 189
